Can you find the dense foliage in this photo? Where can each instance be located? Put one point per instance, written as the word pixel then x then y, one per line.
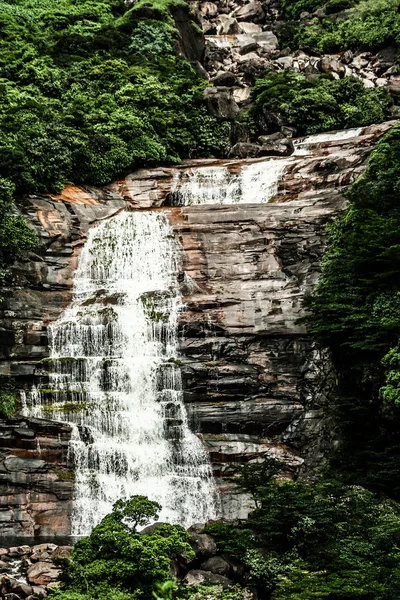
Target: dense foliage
pixel 8 397
pixel 356 312
pixel 90 88
pixel 318 541
pixel 116 562
pixel 319 104
pixel 348 24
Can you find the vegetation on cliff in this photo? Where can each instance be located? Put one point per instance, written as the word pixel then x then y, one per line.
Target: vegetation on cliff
pixel 88 89
pixel 356 312
pixel 323 541
pixel 318 104
pixel 342 24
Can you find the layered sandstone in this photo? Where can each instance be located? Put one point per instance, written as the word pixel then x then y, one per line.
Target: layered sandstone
pixel 255 382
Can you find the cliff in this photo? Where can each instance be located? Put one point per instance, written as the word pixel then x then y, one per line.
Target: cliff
pixel 254 380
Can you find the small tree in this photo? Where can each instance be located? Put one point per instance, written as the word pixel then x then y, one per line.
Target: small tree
pixel 136 512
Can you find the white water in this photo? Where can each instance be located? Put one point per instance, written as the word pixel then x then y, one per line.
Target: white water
pixel 113 371
pixel 302 147
pixel 254 183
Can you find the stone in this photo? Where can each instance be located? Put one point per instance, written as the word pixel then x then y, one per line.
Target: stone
pixel 368 84
pixel 249 28
pixel 39 591
pixel 22 589
pixel 228 25
pixel 268 139
pixel 29 465
pixel 225 79
pixel 42 573
pixel 217 565
pixel 242 95
pixel 252 11
pixel 203 545
pixel 197 576
pixel 208 9
pixel 62 552
pixel 245 150
pixel 221 103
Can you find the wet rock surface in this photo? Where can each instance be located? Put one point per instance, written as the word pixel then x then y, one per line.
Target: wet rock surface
pixel 255 383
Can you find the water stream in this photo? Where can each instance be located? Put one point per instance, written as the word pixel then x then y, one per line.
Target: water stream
pixel 113 371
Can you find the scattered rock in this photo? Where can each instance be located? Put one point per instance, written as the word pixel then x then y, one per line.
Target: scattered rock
pixel 225 79
pixel 42 573
pixel 217 565
pixel 203 545
pixel 221 103
pixel 245 150
pixel 197 576
pixel 252 11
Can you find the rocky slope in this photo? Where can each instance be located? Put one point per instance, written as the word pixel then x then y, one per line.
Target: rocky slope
pixel 254 381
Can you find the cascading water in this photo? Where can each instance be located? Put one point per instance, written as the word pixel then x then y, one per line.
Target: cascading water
pixel 256 182
pixel 302 147
pixel 113 372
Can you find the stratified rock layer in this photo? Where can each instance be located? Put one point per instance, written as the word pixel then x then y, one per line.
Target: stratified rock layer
pixel 255 382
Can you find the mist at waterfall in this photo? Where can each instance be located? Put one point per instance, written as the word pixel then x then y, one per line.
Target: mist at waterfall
pixel 113 371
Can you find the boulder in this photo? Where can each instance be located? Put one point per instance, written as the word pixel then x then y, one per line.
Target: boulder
pixel 228 25
pixel 203 545
pixel 221 103
pixel 252 11
pixel 208 9
pixel 197 576
pixel 62 552
pixel 225 79
pixel 217 565
pixel 42 573
pixel 245 150
pixel 20 588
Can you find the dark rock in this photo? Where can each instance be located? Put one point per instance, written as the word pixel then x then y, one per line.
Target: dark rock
pixel 225 79
pixel 268 139
pixel 245 150
pixel 152 528
pixel 217 565
pixel 22 589
pixel 197 576
pixel 203 545
pixel 220 103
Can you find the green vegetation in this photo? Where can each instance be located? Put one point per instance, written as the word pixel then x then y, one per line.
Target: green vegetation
pixel 88 89
pixel 9 401
pixel 91 88
pixel 366 25
pixel 322 541
pixel 319 104
pixel 117 563
pixel 356 312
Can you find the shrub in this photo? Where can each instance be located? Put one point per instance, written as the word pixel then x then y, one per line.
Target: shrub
pixel 9 401
pixel 319 104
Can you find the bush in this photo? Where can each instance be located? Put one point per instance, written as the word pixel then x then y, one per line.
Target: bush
pixel 117 563
pixel 319 104
pixel 90 89
pixel 356 312
pixel 369 25
pixel 9 401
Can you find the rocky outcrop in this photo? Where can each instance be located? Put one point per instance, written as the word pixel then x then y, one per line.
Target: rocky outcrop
pixel 36 482
pixel 255 383
pixel 242 46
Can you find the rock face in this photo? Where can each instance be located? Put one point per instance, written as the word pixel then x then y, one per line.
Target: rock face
pixel 255 382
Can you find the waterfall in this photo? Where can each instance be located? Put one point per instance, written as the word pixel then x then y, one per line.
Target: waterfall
pixel 302 146
pixel 113 371
pixel 255 182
